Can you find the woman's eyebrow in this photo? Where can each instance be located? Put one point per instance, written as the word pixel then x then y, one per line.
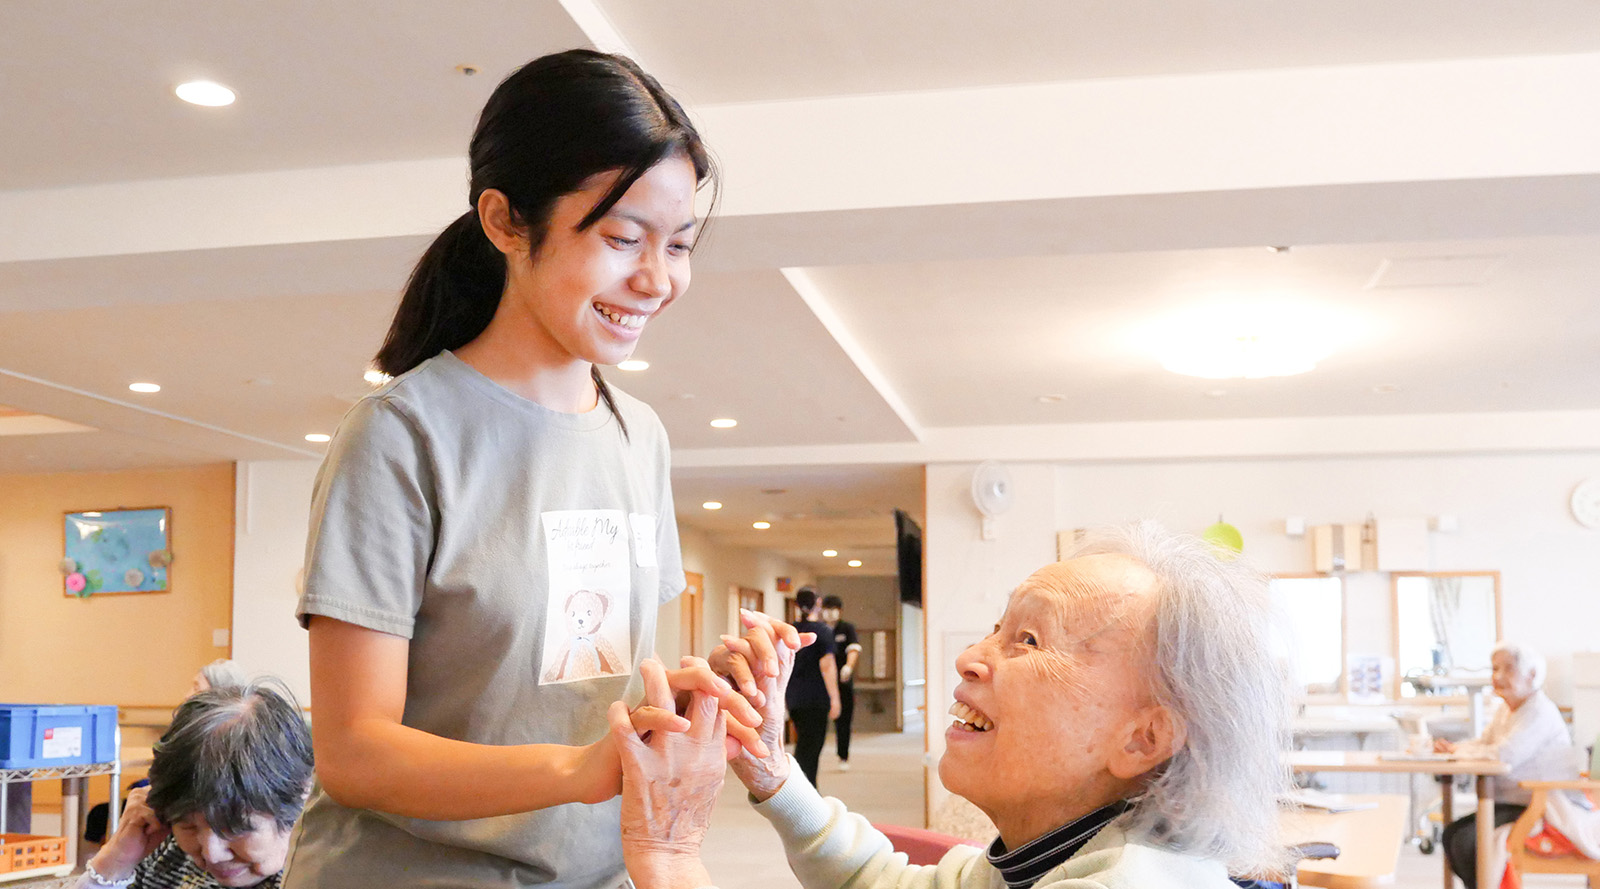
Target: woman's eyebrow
pixel 646 224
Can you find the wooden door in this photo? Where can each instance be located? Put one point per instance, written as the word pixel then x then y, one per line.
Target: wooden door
pixel 691 606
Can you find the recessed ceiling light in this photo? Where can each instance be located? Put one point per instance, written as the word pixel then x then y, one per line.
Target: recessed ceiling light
pixel 829 553
pixel 1279 249
pixel 711 504
pixel 724 423
pixel 1052 399
pixel 204 92
pixel 1386 388
pixel 318 437
pixel 761 526
pixel 145 387
pixel 376 377
pixel 854 563
pixel 634 364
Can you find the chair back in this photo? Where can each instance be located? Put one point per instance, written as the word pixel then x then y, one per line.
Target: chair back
pixel 921 846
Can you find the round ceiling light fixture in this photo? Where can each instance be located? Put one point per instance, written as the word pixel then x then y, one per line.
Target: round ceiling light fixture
pixel 146 388
pixel 205 92
pixel 761 526
pixel 376 377
pixel 318 437
pixel 724 423
pixel 711 504
pixel 829 553
pixel 634 364
pixel 854 563
pixel 1250 341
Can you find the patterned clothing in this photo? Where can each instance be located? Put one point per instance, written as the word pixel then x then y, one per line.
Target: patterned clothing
pixel 1023 866
pixel 169 868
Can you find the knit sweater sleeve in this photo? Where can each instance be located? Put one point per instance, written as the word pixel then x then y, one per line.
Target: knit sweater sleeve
pixel 830 848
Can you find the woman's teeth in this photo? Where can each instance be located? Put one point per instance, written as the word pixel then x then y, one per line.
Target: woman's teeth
pixel 970 718
pixel 625 320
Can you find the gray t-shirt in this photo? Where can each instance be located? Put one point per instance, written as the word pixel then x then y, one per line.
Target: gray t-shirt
pixel 524 552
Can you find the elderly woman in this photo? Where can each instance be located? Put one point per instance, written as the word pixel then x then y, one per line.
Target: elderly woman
pixel 228 780
pixel 1122 727
pixel 1527 734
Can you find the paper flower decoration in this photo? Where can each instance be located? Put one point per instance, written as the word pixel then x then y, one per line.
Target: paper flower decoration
pixel 160 558
pixel 1225 537
pixel 76 583
pixel 68 566
pixel 133 577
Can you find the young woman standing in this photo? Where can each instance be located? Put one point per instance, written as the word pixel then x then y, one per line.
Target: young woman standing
pixel 492 532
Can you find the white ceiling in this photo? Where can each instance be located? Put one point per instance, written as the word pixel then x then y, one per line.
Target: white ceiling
pixel 850 335
pixel 724 51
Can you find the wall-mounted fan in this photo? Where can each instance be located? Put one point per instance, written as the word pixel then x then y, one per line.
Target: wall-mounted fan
pixel 991 493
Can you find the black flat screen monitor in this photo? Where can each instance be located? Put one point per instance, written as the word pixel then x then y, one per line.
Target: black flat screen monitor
pixel 908 552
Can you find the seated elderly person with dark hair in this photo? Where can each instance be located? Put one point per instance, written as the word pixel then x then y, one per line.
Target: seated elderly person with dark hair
pixel 228 781
pixel 1122 727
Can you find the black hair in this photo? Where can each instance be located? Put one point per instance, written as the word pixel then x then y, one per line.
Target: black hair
pixel 547 128
pixel 832 602
pixel 233 752
pixel 806 598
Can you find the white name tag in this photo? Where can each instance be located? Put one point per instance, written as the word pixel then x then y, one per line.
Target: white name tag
pixel 644 539
pixel 62 742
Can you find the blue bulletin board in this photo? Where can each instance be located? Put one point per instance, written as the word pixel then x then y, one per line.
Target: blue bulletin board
pixel 117 551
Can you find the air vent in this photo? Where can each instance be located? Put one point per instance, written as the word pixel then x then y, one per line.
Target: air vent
pixel 1433 271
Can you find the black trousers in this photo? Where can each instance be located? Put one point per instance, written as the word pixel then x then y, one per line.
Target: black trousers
pixel 847 709
pixel 1461 841
pixel 811 732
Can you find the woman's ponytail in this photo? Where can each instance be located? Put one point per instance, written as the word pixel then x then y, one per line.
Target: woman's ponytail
pixel 450 298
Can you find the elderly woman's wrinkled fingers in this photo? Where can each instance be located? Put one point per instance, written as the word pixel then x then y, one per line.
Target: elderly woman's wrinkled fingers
pixel 732 660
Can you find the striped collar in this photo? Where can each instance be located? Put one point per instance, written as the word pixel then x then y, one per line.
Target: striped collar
pixel 1023 866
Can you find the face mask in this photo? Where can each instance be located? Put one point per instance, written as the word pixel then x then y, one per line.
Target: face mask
pixel 830 614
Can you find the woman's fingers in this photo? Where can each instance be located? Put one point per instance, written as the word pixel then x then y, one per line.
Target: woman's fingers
pixel 658 684
pixel 732 659
pixel 696 676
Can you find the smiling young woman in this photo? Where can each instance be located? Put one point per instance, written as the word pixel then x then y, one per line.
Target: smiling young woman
pixel 492 532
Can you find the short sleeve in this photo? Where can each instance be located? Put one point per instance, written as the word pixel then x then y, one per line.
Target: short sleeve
pixel 374 513
pixel 669 552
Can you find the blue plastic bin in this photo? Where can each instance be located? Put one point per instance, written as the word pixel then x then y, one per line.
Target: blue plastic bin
pixel 37 735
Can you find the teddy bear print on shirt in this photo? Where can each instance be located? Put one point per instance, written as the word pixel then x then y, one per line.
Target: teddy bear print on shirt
pixel 584 654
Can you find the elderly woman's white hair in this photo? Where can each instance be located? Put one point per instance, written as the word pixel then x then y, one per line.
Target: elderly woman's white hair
pixel 1527 661
pixel 1218 795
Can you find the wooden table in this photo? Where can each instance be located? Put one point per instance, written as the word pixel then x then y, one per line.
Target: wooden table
pixel 1369 841
pixel 1442 769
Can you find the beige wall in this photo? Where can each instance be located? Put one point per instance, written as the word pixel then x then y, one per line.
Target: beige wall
pixel 131 649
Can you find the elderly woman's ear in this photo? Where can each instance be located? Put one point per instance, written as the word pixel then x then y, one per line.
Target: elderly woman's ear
pixel 1152 738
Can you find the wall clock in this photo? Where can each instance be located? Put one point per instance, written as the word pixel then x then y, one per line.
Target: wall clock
pixel 1586 502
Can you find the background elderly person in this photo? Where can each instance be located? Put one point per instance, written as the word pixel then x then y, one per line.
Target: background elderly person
pixel 1122 727
pixel 228 780
pixel 1527 734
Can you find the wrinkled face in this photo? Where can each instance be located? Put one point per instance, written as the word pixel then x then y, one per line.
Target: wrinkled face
pixel 590 293
pixel 1512 684
pixel 1046 701
pixel 234 861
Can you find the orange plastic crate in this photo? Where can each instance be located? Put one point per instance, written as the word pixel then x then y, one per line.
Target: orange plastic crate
pixel 21 852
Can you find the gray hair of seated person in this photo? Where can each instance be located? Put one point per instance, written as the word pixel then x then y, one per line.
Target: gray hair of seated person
pixel 1217 797
pixel 232 753
pixel 1528 662
pixel 222 672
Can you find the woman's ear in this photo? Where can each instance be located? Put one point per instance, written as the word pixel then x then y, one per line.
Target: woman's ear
pixel 499 224
pixel 1153 737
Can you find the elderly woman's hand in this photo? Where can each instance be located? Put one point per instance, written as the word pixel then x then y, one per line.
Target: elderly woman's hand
pixel 138 834
pixel 764 775
pixel 670 781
